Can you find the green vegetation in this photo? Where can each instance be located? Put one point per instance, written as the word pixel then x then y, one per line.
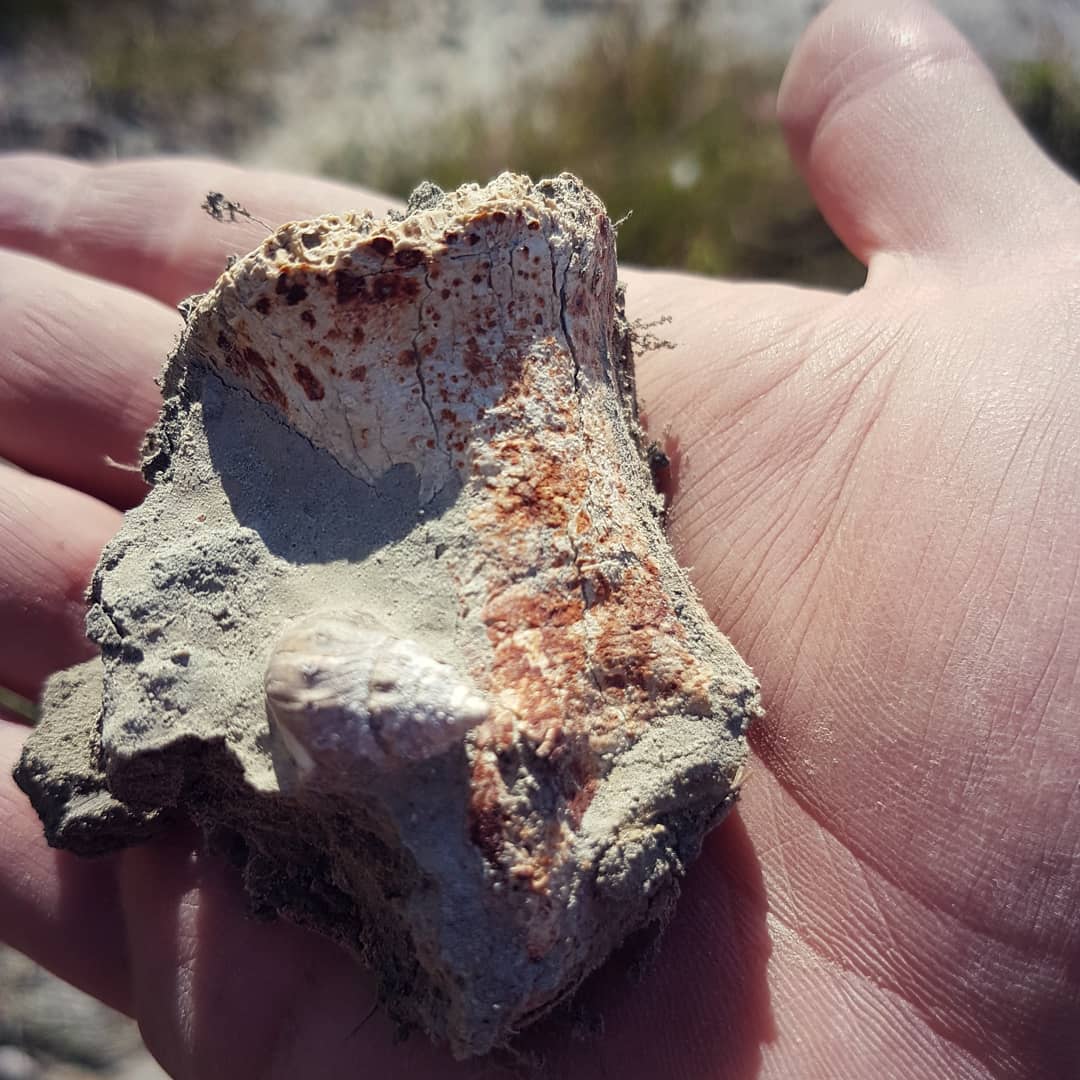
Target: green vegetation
pixel 650 121
pixel 653 119
pixel 687 144
pixel 16 704
pixel 192 73
pixel 1046 97
pixel 158 62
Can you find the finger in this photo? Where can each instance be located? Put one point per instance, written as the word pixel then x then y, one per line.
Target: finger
pixel 61 910
pixel 50 540
pixel 221 994
pixel 77 365
pixel 739 338
pixel 905 140
pixel 140 223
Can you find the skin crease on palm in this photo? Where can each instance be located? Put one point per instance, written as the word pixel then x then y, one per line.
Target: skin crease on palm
pixel 878 496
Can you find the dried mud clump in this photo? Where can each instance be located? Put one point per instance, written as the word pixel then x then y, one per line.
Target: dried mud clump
pixel 397 625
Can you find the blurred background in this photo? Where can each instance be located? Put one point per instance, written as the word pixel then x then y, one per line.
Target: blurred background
pixel 664 107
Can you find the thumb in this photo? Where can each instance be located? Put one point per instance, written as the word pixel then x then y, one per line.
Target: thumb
pixel 906 142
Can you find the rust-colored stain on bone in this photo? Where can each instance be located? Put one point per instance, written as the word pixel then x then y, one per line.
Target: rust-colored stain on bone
pixel 313 389
pixel 500 719
pixel 491 357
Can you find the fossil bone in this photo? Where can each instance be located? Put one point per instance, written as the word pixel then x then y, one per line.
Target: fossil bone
pixel 402 567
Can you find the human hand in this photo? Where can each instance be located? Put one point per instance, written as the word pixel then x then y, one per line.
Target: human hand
pixel 878 497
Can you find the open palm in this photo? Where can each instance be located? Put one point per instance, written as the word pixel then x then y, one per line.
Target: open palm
pixel 878 496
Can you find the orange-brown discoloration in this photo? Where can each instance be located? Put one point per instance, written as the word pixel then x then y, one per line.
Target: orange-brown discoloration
pixel 374 288
pixel 313 389
pixel 578 658
pixel 382 245
pixel 253 367
pixel 487 818
pixel 496 373
pixel 291 287
pixel 477 350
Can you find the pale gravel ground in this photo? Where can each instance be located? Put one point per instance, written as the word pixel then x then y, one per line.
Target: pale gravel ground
pixel 51 1031
pixel 383 71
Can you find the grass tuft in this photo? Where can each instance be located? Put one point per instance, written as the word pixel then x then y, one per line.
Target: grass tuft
pixel 18 705
pixel 193 74
pixel 652 123
pixel 649 115
pixel 1046 97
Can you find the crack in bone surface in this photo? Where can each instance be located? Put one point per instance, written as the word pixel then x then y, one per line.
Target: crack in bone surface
pixel 397 624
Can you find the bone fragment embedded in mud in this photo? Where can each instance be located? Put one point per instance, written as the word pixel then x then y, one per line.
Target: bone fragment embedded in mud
pixel 398 625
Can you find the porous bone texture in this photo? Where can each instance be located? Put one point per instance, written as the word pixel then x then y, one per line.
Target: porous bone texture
pixel 391 449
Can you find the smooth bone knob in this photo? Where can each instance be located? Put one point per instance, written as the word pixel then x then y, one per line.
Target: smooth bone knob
pixel 342 690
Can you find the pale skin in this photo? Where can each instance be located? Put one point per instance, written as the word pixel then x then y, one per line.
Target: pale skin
pixel 878 496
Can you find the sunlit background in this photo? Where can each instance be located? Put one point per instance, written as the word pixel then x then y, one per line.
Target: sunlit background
pixel 665 108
